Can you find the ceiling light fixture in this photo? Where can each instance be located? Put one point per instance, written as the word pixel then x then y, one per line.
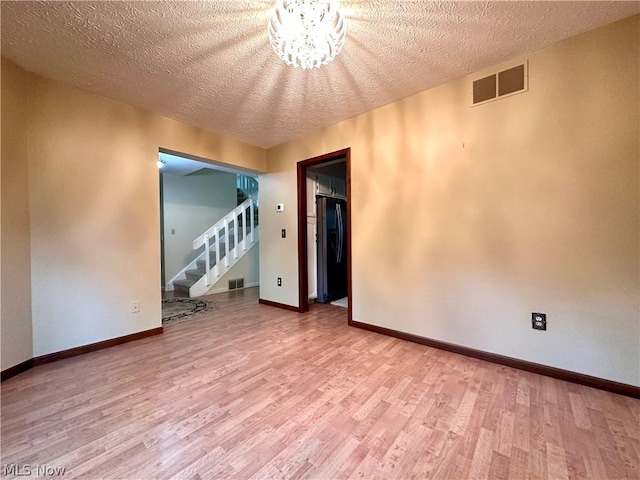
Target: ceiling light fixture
pixel 307 33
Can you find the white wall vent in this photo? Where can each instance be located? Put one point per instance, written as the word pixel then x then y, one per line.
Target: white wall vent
pixel 508 82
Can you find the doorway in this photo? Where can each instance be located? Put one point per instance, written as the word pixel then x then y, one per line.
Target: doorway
pixel 201 198
pixel 303 250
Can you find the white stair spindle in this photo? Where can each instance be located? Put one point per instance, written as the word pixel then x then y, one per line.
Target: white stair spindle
pixel 253 223
pixel 235 235
pixel 227 238
pixel 217 234
pixel 207 260
pixel 244 228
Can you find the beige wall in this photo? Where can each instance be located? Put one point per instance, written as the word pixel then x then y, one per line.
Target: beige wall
pixel 94 208
pixel 15 307
pixel 466 220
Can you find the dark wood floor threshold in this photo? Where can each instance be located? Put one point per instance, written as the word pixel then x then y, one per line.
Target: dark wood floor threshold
pixel 72 352
pixel 279 305
pixel 566 375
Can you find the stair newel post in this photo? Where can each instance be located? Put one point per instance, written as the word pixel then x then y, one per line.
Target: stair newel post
pixel 227 239
pixel 217 234
pixel 253 222
pixel 207 261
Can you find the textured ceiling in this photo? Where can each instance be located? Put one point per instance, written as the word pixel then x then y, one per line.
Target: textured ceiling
pixel 210 64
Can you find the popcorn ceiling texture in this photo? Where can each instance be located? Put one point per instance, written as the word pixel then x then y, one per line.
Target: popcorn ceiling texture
pixel 210 64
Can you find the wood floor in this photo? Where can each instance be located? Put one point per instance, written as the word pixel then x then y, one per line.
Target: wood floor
pixel 252 391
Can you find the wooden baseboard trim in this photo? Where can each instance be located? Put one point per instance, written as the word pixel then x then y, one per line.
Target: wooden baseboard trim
pixel 567 375
pixel 72 352
pixel 279 305
pixel 16 369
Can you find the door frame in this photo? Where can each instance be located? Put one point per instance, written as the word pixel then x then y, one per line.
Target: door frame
pixel 162 272
pixel 303 273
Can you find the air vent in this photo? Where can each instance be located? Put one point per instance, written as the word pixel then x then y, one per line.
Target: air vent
pixel 511 81
pixel 236 283
pixel 484 89
pixel 502 84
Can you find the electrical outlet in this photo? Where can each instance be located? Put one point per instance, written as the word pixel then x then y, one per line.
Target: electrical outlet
pixel 135 307
pixel 539 321
pixel 279 281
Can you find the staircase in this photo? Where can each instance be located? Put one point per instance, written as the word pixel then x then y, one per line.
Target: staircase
pixel 221 249
pixel 246 187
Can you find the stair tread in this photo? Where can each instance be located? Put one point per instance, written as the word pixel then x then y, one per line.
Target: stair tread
pixel 212 262
pixel 195 272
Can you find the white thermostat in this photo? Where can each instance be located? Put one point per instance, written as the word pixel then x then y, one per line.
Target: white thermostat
pixel 280 207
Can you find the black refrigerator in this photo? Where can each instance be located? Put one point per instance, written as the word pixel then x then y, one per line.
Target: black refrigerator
pixel 332 248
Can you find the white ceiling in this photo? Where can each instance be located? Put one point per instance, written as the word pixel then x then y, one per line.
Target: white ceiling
pixel 210 64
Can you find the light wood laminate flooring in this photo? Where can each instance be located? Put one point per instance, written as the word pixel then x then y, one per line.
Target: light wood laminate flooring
pixel 252 391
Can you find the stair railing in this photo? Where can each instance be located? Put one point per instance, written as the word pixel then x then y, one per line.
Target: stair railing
pixel 218 233
pixel 248 185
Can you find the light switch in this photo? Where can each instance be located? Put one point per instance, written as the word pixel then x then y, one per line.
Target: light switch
pixel 280 207
pixel 284 233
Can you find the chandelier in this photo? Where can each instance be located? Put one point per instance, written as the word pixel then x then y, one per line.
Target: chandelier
pixel 307 33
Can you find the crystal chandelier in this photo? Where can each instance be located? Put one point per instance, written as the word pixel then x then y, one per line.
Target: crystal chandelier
pixel 307 33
